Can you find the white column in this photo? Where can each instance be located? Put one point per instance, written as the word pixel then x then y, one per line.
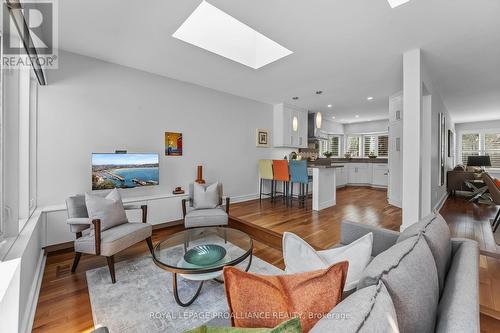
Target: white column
pixel 412 104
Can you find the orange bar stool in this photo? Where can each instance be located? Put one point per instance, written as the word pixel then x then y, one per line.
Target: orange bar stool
pixel 280 174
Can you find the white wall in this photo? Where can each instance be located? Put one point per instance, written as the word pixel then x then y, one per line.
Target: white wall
pixel 375 126
pixel 332 127
pixel 437 106
pixel 95 106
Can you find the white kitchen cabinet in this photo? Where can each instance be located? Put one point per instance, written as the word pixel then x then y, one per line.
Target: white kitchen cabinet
pixel 285 134
pixel 341 174
pixel 360 173
pixel 379 174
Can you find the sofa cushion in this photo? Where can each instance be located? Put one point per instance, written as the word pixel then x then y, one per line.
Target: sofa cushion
pixel 409 274
pixel 205 218
pixel 437 235
pixel 265 301
pixel 108 209
pixel 458 309
pixel 300 257
pixel 289 326
pixel 367 310
pixel 205 196
pixel 115 239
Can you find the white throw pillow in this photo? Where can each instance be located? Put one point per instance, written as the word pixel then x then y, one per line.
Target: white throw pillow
pixel 108 209
pixel 300 257
pixel 205 197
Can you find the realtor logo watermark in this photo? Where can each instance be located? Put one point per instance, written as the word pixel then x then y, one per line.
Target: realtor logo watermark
pixel 30 34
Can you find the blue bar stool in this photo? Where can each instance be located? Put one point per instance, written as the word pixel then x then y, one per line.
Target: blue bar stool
pixel 298 175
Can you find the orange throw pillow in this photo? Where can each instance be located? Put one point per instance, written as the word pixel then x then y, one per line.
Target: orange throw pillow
pixel 498 183
pixel 266 301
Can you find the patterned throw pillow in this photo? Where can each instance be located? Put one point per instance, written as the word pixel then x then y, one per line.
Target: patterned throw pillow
pixel 265 301
pixel 289 326
pixel 497 182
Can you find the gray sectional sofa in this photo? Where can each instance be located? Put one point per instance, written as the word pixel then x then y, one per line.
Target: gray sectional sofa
pixel 419 280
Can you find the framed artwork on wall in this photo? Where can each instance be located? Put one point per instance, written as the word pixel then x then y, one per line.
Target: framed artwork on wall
pixel 173 144
pixel 262 137
pixel 442 135
pixel 451 143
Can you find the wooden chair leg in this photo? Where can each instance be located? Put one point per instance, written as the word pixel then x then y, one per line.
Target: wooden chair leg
pixel 150 244
pixel 260 194
pixel 76 260
pixel 111 266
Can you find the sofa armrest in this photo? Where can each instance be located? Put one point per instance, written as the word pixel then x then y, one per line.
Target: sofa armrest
pixel 458 309
pixel 382 238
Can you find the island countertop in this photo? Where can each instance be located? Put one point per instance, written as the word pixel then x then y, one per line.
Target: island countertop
pixel 325 166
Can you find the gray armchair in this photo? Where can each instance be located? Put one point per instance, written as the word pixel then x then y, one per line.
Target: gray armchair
pixel 194 218
pixel 108 242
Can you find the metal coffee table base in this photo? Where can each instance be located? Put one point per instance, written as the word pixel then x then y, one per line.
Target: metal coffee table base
pixel 198 290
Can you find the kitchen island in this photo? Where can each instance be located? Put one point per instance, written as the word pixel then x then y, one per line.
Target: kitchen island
pixel 324 191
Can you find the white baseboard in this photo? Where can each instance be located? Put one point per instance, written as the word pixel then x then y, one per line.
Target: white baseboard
pixel 441 202
pixel 395 203
pixel 243 198
pixel 29 315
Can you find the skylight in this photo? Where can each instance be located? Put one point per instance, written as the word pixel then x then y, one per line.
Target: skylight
pixel 216 31
pixel 396 3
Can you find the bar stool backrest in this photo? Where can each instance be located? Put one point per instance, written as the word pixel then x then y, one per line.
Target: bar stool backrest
pixel 266 169
pixel 280 170
pixel 298 172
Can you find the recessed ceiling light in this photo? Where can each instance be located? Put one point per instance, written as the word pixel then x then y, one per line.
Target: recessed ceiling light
pixel 369 98
pixel 357 116
pixel 295 98
pixel 216 31
pixel 396 3
pixel 333 117
pixel 329 105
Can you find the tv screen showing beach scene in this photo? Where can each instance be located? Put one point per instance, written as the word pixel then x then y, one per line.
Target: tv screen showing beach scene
pixel 124 170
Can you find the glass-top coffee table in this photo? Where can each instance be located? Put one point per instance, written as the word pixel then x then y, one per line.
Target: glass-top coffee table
pixel 200 254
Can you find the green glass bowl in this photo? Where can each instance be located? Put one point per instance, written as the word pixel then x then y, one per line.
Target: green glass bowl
pixel 205 255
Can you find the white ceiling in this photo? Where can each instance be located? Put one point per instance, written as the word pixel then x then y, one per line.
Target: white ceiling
pixel 350 49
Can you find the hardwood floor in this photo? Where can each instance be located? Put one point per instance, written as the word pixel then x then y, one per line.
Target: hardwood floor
pixel 320 229
pixel 64 304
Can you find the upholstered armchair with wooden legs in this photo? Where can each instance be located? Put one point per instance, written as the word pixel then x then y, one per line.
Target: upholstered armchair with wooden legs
pixel 91 240
pixel 495 197
pixel 195 217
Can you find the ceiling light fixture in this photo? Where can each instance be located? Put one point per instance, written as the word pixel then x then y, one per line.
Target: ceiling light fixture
pixel 357 116
pixel 329 105
pixel 319 92
pixel 369 98
pixel 211 29
pixel 333 117
pixel 295 98
pixel 397 3
pixel 319 119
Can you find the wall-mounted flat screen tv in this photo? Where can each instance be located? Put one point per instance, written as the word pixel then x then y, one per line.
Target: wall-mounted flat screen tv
pixel 124 170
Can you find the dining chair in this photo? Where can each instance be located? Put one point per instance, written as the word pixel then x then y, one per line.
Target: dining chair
pixel 281 175
pixel 495 197
pixel 266 174
pixel 299 175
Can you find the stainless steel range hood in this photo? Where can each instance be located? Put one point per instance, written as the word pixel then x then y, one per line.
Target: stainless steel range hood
pixel 313 133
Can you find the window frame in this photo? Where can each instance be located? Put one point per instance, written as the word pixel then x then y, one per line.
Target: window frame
pixel 482 144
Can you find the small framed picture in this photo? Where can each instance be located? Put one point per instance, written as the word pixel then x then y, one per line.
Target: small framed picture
pixel 262 138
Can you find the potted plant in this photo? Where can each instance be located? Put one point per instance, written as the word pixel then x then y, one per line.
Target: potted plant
pixel 328 154
pixel 372 155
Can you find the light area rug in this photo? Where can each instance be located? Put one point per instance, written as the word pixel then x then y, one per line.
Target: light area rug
pixel 142 299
